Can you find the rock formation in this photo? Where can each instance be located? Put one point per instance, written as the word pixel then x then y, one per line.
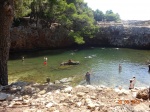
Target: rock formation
pixel 28 38
pixel 25 97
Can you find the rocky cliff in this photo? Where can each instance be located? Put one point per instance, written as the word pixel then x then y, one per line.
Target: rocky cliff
pixel 27 38
pixel 122 36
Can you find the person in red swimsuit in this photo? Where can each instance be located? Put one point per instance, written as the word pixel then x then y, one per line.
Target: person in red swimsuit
pixel 45 63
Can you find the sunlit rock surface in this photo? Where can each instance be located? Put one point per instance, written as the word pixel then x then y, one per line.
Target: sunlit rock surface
pixel 62 98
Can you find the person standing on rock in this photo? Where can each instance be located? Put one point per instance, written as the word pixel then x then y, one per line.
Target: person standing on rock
pixel 87 78
pixel 131 86
pixel 134 81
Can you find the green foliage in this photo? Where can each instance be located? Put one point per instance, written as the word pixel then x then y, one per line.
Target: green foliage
pixel 83 22
pixel 22 7
pixel 74 15
pixel 108 16
pixel 77 37
pixel 98 15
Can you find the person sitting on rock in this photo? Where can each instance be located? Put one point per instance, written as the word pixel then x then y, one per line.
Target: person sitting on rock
pixel 131 86
pixel 70 61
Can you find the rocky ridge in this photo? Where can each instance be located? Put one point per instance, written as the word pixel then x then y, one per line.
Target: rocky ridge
pixel 31 38
pixel 24 97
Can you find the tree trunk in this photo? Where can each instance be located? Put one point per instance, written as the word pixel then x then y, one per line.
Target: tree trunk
pixel 6 18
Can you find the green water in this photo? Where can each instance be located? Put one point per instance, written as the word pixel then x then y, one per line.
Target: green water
pixel 102 62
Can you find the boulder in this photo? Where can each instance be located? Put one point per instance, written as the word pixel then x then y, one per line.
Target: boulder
pixel 80 94
pixel 78 104
pixel 3 96
pixel 20 83
pixel 42 92
pixel 57 82
pixel 91 106
pixel 28 90
pixel 49 105
pixel 64 80
pixel 70 63
pixel 68 89
pixel 143 94
pixel 10 97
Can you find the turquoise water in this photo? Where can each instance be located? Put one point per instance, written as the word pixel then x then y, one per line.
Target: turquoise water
pixel 103 63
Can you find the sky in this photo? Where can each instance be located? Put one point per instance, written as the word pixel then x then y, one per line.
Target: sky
pixel 127 9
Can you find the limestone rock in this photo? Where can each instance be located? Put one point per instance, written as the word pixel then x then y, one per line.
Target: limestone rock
pixel 79 86
pixel 141 108
pixel 57 82
pixel 80 94
pixel 42 92
pixel 91 87
pixel 10 97
pixel 20 83
pixel 79 104
pixel 93 97
pixel 66 81
pixel 90 106
pixel 49 105
pixel 28 90
pixel 143 94
pixel 3 96
pixel 68 89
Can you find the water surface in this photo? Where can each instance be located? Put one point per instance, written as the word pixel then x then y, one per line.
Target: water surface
pixel 102 62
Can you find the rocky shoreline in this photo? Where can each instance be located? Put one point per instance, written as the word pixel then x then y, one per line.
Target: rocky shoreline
pixel 58 97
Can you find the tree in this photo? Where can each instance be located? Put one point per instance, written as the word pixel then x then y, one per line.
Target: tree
pixel 6 18
pixel 22 8
pixel 110 16
pixel 109 12
pixel 98 15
